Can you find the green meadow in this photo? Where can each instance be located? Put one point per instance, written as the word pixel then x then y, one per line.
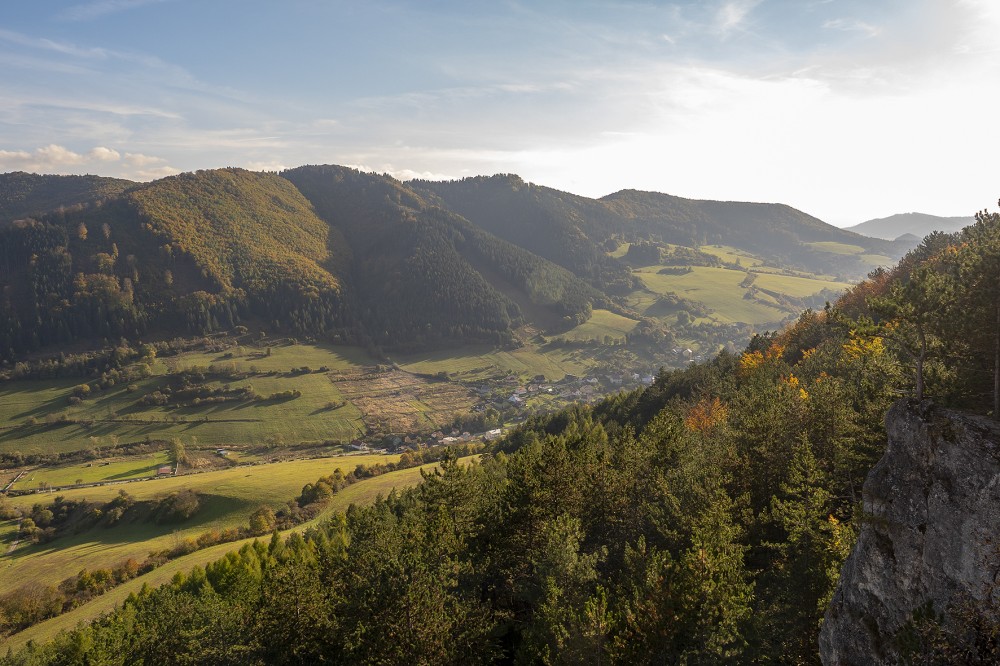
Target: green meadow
pixel 720 290
pixel 602 323
pixel 96 471
pixel 228 497
pixel 479 362
pixel 361 493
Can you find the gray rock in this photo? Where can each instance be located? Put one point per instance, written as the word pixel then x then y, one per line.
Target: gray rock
pixel 932 518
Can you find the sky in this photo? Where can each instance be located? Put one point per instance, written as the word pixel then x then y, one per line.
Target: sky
pixel 846 109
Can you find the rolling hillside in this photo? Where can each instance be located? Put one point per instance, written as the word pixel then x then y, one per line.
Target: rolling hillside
pixel 331 252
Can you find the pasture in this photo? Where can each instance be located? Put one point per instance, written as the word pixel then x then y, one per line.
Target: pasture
pixel 228 497
pixel 361 493
pixel 602 324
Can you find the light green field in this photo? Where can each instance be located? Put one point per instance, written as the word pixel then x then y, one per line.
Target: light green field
pixel 228 498
pixel 473 363
pixel 283 357
pixel 797 287
pixel 718 288
pixel 836 248
pixel 731 255
pixel 116 414
pixel 93 472
pixel 361 493
pixel 847 249
pixel 29 410
pixel 602 323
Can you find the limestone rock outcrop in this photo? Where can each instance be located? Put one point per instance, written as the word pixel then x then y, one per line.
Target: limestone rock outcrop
pixel 931 531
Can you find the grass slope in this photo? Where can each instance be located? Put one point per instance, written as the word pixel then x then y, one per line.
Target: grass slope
pixel 228 498
pixel 361 493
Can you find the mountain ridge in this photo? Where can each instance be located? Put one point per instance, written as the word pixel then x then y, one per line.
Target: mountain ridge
pixel 918 224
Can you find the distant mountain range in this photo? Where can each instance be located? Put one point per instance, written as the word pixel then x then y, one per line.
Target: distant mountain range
pixel 915 224
pixel 332 252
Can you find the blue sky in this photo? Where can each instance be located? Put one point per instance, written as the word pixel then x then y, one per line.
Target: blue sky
pixel 846 109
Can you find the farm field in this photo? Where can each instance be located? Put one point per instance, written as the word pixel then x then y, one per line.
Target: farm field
pixel 228 498
pixel 601 324
pixel 36 416
pixel 720 290
pixel 731 255
pixel 846 249
pixel 98 471
pixel 341 394
pixel 361 493
pixel 474 363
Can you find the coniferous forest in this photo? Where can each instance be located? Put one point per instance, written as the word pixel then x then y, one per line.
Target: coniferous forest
pixel 701 520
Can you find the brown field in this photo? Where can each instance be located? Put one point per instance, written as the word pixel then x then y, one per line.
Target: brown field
pixel 399 402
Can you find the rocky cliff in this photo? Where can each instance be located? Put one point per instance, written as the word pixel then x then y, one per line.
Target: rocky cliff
pixel 930 534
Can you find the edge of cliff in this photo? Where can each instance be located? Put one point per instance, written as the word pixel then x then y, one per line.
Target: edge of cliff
pixel 930 532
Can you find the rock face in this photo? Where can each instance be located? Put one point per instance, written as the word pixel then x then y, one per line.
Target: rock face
pixel 931 532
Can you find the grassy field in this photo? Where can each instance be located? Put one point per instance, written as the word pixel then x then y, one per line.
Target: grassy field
pixel 30 410
pixel 39 417
pixel 719 289
pixel 731 255
pixel 847 249
pixel 796 287
pixel 836 248
pixel 602 323
pixel 474 363
pixel 283 356
pixel 96 471
pixel 228 498
pixel 361 493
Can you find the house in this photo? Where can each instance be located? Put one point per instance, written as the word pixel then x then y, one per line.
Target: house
pixel 166 470
pixel 515 399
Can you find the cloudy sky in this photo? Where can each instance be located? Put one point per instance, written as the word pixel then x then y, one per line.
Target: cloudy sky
pixel 846 109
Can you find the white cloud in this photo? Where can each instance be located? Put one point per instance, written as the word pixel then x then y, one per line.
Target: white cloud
pixel 264 166
pixel 140 160
pixel 155 173
pixel 853 25
pixel 57 159
pixel 732 16
pixel 102 154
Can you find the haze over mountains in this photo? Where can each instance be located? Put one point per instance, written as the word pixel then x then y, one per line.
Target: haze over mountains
pixel 915 224
pixel 357 257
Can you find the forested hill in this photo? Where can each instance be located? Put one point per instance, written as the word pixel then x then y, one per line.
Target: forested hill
pixel 576 232
pixel 186 254
pixel 359 257
pixel 25 194
pixel 776 231
pixel 424 274
pixel 702 520
pixel 570 230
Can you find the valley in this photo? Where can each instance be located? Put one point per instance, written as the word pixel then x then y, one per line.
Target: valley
pixel 229 338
